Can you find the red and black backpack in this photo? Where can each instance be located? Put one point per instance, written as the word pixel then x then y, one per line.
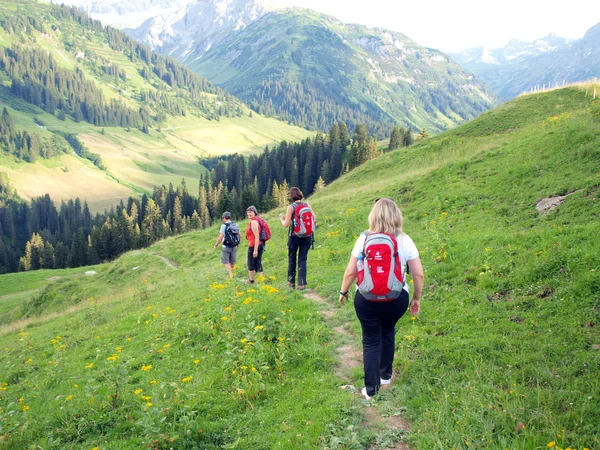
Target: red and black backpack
pixel 303 220
pixel 379 268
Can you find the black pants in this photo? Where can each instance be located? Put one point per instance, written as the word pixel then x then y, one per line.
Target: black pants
pixel 378 323
pixel 299 246
pixel 255 264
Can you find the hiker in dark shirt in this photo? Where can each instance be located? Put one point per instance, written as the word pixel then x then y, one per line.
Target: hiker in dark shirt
pixel 378 318
pixel 299 238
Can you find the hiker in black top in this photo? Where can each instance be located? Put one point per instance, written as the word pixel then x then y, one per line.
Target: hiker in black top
pixel 296 245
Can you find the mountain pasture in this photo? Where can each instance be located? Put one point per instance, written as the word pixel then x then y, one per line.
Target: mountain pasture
pixel 158 348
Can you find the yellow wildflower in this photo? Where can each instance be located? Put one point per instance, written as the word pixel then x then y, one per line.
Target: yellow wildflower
pixel 196 361
pixel 69 397
pixel 89 365
pixel 148 404
pixel 146 368
pixel 153 381
pixel 138 391
pixel 25 408
pixel 146 398
pixel 186 379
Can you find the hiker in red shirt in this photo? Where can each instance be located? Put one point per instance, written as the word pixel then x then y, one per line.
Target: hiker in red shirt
pixel 256 247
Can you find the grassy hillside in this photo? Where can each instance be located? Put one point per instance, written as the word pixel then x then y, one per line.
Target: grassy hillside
pixel 214 122
pixel 504 354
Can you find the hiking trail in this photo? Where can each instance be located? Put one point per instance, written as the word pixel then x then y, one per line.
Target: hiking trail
pixel 351 357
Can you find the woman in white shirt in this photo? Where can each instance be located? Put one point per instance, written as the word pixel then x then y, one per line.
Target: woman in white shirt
pixel 378 318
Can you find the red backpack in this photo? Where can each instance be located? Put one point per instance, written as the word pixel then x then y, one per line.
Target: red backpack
pixel 265 232
pixel 303 220
pixel 379 268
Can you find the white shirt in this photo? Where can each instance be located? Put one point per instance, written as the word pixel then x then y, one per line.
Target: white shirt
pixel 406 249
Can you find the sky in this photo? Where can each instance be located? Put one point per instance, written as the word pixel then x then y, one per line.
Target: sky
pixel 453 25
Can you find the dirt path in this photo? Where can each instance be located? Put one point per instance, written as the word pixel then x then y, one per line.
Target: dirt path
pixel 169 263
pixel 350 357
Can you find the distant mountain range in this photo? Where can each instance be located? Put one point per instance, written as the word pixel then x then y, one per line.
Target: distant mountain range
pixel 129 13
pixel 313 70
pixel 547 62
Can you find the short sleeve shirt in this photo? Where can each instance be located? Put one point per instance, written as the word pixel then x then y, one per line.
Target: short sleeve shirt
pixel 222 231
pixel 406 249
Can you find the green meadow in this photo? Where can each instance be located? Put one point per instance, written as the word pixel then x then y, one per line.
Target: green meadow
pixel 504 355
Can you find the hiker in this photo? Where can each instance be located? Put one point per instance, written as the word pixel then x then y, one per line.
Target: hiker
pixel 229 234
pixel 385 286
pixel 300 219
pixel 256 246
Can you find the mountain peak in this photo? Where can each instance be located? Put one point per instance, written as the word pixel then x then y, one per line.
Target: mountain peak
pixel 592 32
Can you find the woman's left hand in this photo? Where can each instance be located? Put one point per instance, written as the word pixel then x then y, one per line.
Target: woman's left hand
pixel 343 299
pixel 415 307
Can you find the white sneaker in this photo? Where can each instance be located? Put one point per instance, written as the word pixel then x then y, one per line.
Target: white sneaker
pixel 364 394
pixel 385 382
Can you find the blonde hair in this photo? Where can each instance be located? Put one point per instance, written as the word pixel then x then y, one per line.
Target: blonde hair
pixel 385 217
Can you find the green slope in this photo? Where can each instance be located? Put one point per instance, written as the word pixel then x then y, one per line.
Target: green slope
pixel 503 355
pixel 313 70
pixel 189 119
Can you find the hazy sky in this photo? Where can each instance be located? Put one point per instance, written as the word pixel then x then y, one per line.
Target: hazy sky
pixel 457 24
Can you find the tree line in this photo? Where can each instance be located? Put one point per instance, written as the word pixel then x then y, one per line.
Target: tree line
pixel 27 146
pixel 39 235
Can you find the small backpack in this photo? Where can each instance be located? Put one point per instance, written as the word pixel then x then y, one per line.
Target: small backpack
pixel 379 268
pixel 303 220
pixel 265 231
pixel 232 235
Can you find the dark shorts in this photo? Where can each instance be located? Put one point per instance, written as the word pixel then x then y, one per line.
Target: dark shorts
pixel 255 264
pixel 229 255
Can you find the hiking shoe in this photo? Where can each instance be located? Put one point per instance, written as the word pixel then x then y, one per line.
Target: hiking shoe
pixel 249 282
pixel 364 394
pixel 385 382
pixel 301 287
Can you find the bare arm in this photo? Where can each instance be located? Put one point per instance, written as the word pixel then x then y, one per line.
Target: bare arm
pixel 349 277
pixel 219 239
pixel 416 269
pixel 287 218
pixel 256 235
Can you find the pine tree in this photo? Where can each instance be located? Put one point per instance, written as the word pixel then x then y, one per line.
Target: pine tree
pixel 152 225
pixel 195 222
pixel 48 256
pixel 320 185
pixel 178 220
pixel 407 137
pixel 396 139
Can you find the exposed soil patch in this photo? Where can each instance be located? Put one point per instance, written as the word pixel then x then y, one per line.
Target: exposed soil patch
pixel 350 357
pixel 545 205
pixel 169 263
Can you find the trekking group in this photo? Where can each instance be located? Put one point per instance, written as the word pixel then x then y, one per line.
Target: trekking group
pixel 379 262
pixel 301 221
